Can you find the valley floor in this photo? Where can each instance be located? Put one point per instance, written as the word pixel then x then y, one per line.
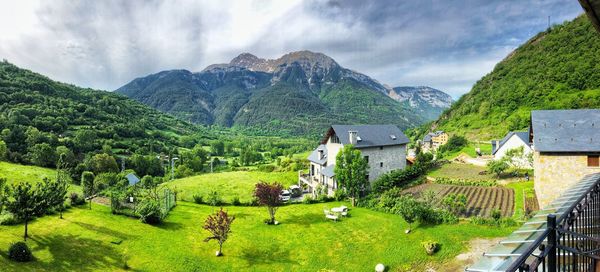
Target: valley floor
pixel 94 240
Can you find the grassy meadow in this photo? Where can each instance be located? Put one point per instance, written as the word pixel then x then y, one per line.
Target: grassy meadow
pixel 15 173
pixel 228 184
pixel 96 240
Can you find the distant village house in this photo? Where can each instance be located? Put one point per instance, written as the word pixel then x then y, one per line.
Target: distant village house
pixel 433 140
pixel 513 140
pixel 383 146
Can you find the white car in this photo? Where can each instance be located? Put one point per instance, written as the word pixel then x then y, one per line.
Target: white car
pixel 285 196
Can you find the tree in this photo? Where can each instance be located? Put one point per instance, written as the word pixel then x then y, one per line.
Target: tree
pixel 87 181
pixel 4 193
pixel 3 150
pixel 43 155
pixel 497 166
pixel 269 195
pixel 25 203
pixel 217 148
pixel 101 163
pixel 219 226
pixel 351 172
pixel 409 209
pixel 84 140
pixel 59 188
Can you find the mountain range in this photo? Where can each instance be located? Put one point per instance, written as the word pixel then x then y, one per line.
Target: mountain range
pixel 301 93
pixel 555 69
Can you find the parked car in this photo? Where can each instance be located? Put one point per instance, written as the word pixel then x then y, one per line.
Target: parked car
pixel 285 196
pixel 296 191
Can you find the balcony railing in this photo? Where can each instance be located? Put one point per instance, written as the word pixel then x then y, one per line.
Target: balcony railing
pixel 565 236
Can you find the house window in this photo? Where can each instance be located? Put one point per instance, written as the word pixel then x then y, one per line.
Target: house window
pixel 381 164
pixel 381 148
pixel 367 159
pixel 593 160
pixel 335 139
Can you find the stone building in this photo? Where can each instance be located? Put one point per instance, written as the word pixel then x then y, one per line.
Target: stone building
pixel 383 146
pixel 433 140
pixel 566 145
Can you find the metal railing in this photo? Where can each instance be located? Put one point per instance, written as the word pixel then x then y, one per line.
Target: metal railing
pixel 570 242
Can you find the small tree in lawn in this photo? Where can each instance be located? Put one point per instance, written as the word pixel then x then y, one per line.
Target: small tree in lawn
pixel 409 208
pixel 219 226
pixel 59 188
pixel 351 171
pixel 269 195
pixel 87 181
pixel 26 202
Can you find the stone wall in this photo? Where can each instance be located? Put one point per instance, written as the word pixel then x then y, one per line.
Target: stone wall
pixel 393 157
pixel 555 172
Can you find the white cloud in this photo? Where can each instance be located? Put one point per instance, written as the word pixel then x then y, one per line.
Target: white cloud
pixel 105 44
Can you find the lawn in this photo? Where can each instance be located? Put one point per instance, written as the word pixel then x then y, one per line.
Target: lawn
pixel 96 240
pixel 461 171
pixel 485 148
pixel 15 173
pixel 520 188
pixel 228 184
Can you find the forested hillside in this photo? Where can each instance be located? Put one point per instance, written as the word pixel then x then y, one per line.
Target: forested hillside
pixel 556 69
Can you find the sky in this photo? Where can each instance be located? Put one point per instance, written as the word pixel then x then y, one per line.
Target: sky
pixel 444 44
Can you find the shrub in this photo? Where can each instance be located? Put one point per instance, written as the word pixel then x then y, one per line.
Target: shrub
pixel 76 199
pixel 266 168
pixel 431 247
pixel 339 195
pixel 235 201
pixel 399 178
pixel 308 199
pixel 198 199
pixel 20 252
pixel 8 219
pixel 496 214
pixel 455 203
pixel 465 182
pixel 455 143
pixel 149 212
pixel 214 199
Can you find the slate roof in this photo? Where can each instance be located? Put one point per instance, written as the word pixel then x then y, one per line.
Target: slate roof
pixel 370 135
pixel 566 130
pixel 523 135
pixel 314 156
pixel 132 178
pixel 328 171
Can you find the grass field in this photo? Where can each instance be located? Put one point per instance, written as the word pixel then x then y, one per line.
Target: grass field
pixel 96 240
pixel 228 184
pixel 15 173
pixel 520 188
pixel 486 149
pixel 461 171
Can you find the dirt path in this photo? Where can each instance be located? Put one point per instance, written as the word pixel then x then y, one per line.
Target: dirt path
pixel 477 247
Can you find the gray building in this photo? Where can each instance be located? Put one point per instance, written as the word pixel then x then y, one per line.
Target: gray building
pixel 383 146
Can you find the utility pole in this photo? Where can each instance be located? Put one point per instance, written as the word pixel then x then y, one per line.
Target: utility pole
pixel 548 21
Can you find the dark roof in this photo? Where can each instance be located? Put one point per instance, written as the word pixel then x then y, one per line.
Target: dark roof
pixel 132 178
pixel 523 135
pixel 566 130
pixel 328 171
pixel 314 156
pixel 370 135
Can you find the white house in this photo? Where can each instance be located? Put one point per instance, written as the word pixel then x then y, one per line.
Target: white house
pixel 383 146
pixel 513 140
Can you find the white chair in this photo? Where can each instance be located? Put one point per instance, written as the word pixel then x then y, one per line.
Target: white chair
pixel 332 217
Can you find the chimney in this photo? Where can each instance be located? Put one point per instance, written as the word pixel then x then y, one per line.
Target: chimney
pixel 497 144
pixel 320 154
pixel 352 135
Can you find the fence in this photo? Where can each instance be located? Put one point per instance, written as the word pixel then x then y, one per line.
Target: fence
pixel 168 201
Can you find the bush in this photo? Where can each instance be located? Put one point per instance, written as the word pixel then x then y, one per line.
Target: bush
pixel 214 199
pixel 308 199
pixel 20 252
pixel 431 247
pixel 399 178
pixel 235 201
pixel 266 168
pixel 149 212
pixel 76 199
pixel 455 143
pixel 496 214
pixel 8 219
pixel 198 199
pixel 465 182
pixel 340 195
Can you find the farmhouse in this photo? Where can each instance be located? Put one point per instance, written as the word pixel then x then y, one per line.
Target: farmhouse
pixel 383 146
pixel 513 140
pixel 566 145
pixel 433 140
